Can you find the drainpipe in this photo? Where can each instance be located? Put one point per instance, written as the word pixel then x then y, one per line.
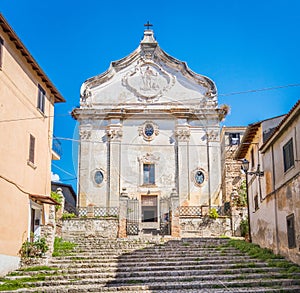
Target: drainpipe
pixel 248 208
pixel 208 171
pixel 275 201
pixel 188 167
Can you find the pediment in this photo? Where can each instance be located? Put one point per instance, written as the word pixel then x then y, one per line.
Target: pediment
pixel 147 75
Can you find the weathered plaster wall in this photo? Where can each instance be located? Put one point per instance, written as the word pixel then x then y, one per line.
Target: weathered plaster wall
pixel 280 194
pixel 205 227
pixel 90 227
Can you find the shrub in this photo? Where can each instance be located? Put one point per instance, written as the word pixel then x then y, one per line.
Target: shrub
pixel 66 215
pixel 213 214
pixel 57 198
pixel 244 227
pixel 36 248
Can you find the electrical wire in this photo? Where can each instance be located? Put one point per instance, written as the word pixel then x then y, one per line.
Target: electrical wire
pixel 18 186
pixel 33 118
pixel 162 103
pixel 66 172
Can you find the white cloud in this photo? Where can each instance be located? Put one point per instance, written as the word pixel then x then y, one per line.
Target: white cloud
pixel 54 177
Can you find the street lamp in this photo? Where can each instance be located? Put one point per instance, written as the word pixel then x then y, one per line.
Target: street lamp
pixel 259 173
pixel 245 168
pixel 245 165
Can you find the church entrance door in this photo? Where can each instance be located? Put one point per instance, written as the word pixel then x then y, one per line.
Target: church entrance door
pixel 149 209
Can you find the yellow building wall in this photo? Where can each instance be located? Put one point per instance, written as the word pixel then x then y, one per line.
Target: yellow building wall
pixel 19 117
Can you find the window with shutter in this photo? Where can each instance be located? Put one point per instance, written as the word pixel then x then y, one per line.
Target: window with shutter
pixel 41 99
pixel 288 155
pixel 31 148
pixel 1 52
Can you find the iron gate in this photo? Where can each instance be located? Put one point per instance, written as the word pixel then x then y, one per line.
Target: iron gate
pixel 165 216
pixel 133 216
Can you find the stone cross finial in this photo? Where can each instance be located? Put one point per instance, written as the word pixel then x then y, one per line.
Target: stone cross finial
pixel 148 25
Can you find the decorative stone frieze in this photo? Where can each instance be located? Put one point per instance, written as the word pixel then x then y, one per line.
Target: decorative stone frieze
pixel 148 80
pixel 148 159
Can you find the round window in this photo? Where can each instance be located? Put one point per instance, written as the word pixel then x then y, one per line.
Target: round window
pixel 98 177
pixel 199 177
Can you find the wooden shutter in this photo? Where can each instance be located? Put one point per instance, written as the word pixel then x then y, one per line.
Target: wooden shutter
pixel 31 148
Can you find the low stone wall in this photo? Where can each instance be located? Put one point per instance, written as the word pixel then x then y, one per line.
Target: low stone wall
pixel 205 227
pixel 90 227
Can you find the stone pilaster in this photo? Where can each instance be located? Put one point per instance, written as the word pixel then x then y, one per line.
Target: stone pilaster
pixel 85 133
pixel 175 225
pixel 122 233
pixel 114 135
pixel 182 134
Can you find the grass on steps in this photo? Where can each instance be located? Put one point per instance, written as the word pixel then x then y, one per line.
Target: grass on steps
pixel 62 247
pixel 22 282
pixel 265 254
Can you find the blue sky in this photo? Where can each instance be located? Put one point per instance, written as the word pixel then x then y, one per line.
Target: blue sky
pixel 241 45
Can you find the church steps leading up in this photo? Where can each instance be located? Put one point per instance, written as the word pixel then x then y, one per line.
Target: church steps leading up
pixel 187 265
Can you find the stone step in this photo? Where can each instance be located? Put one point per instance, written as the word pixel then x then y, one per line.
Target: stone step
pixel 145 277
pixel 188 265
pixel 155 264
pixel 111 272
pixel 188 284
pixel 179 250
pixel 153 257
pixel 107 244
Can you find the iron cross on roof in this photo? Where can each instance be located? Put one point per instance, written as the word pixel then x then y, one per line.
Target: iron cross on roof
pixel 148 25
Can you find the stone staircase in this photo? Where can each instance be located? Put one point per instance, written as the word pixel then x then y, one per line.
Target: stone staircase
pixel 161 265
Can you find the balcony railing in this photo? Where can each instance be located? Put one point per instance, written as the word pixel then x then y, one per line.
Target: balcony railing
pixel 93 211
pixel 190 211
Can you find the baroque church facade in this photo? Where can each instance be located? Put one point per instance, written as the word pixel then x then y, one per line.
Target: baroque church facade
pixel 150 130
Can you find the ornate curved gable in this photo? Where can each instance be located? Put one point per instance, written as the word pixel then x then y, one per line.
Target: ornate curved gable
pixel 148 75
